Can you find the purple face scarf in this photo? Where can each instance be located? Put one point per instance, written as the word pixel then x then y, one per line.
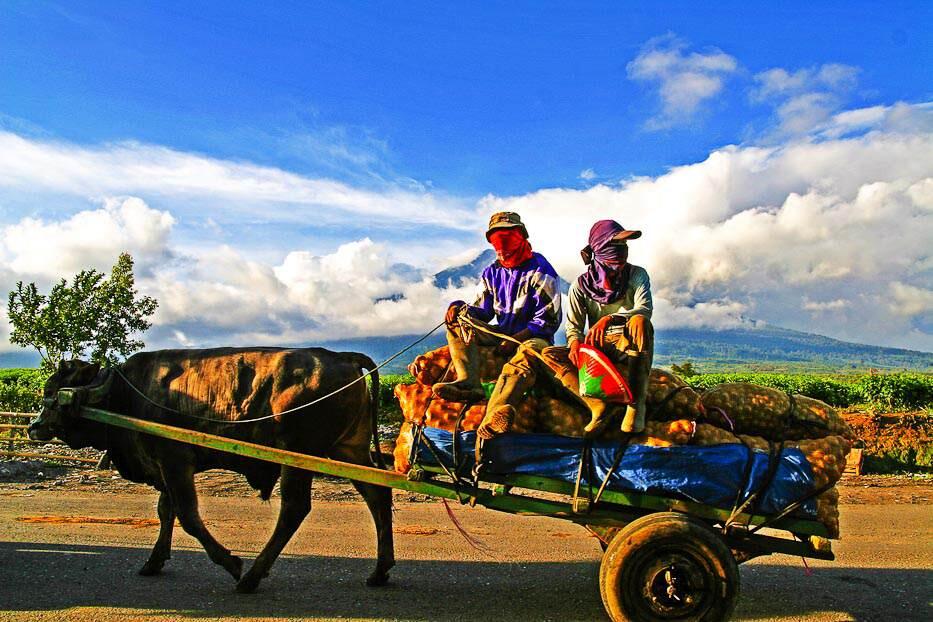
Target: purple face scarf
pixel 607 275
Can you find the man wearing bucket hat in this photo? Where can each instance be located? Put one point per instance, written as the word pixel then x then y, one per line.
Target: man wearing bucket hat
pixel 520 292
pixel 614 298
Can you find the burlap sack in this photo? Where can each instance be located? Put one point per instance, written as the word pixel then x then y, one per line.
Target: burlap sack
pixel 763 411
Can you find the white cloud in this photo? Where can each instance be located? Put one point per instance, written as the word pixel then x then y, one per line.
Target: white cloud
pixel 92 238
pixel 759 232
pixel 778 81
pixel 910 301
pixel 684 80
pixel 828 234
pixel 237 188
pixel 588 174
pixel 827 305
pixel 806 98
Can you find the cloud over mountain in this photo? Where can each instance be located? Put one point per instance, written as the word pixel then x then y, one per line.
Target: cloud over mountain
pixel 829 233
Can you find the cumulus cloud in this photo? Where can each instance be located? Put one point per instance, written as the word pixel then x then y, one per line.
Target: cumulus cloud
pixel 684 79
pixel 910 301
pixel 828 235
pixel 35 248
pixel 223 297
pixel 770 233
pixel 806 98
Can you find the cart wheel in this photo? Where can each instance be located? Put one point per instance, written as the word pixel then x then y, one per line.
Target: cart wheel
pixel 667 566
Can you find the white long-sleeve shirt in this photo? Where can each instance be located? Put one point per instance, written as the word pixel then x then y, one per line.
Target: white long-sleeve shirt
pixel 582 309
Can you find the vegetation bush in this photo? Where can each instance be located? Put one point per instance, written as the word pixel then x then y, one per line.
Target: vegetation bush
pixel 389 410
pixel 897 391
pixel 21 389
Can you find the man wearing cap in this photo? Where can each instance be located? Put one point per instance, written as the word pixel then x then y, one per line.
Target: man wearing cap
pixel 614 298
pixel 521 293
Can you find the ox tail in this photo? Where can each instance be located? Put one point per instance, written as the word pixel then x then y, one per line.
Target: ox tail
pixel 374 389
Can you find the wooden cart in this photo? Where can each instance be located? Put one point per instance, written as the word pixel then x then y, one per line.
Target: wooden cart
pixel 663 559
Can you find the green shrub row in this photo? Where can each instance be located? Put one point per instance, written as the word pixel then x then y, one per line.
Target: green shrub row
pixel 903 390
pixel 21 390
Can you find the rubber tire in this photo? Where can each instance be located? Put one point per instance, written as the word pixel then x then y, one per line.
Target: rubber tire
pixel 657 534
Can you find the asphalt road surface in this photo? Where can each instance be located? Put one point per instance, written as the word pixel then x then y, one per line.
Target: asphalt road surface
pixel 533 568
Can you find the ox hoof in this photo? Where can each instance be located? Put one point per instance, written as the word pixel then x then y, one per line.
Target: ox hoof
pixel 234 565
pixel 248 584
pixel 377 579
pixel 151 569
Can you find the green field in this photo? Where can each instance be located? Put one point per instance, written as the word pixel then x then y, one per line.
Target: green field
pixel 20 389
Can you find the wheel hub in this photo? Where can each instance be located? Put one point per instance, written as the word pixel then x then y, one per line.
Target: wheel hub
pixel 674 587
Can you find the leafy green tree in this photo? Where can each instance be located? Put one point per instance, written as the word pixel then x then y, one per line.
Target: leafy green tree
pixel 684 371
pixel 93 313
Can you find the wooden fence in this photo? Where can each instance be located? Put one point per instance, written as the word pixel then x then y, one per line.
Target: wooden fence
pixel 15 443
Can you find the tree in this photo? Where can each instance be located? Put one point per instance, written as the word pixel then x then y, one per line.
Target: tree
pixel 685 371
pixel 93 313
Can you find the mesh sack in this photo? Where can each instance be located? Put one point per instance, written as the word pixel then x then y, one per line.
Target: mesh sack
pixel 666 433
pixel 770 413
pixel 403 448
pixel 429 368
pixel 708 434
pixel 416 402
pixel 670 398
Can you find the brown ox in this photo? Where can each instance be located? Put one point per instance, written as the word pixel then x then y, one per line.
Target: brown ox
pixel 230 384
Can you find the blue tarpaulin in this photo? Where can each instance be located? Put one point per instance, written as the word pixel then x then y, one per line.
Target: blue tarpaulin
pixel 712 475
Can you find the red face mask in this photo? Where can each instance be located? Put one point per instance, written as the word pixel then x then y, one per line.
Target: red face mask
pixel 512 249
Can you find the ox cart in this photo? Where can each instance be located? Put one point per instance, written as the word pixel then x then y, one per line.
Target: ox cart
pixel 664 557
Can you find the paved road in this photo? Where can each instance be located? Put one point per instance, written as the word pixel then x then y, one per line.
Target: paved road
pixel 538 569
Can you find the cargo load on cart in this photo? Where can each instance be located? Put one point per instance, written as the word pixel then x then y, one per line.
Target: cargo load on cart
pixel 740 447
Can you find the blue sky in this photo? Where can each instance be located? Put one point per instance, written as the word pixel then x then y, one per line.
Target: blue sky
pixel 465 97
pixel 275 135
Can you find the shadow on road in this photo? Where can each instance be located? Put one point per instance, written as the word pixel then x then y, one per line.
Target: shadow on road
pixel 44 577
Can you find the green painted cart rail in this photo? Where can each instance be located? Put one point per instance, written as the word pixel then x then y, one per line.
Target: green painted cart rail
pixel 615 509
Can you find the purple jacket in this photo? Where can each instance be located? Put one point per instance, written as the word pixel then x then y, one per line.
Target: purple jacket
pixel 527 296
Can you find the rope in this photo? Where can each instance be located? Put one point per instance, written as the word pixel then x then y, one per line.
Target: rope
pixel 284 412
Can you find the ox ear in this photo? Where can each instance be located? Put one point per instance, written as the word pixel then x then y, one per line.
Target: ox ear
pixel 77 373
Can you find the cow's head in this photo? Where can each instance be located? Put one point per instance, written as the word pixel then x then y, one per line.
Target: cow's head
pixel 53 417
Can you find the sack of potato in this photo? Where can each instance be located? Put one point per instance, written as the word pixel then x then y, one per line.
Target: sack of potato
pixel 429 368
pixel 827 510
pixel 434 366
pixel 417 402
pixel 762 411
pixel 666 433
pixel 671 398
pixel 826 456
pixel 402 449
